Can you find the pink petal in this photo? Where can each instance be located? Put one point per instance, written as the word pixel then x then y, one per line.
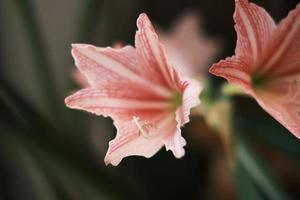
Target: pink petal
pixel 285 106
pixel 185 42
pixel 175 142
pixel 235 70
pixel 284 58
pixel 110 100
pixel 156 67
pixel 190 99
pixel 254 27
pixel 107 65
pixel 80 79
pixel 130 142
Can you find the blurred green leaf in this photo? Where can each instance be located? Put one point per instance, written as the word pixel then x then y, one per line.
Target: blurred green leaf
pixel 246 187
pixel 258 171
pixel 250 121
pixel 74 183
pixel 40 57
pixel 39 181
pixel 87 23
pixel 256 123
pixel 32 179
pixel 73 178
pixel 10 109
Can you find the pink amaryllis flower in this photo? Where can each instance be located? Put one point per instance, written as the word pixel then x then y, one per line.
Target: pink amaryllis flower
pixel 267 62
pixel 146 97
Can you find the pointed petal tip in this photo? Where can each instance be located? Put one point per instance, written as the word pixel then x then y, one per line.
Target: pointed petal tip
pixel 213 70
pixel 143 20
pixel 107 163
pixel 77 45
pixel 177 153
pixel 68 101
pixel 181 155
pixel 239 1
pixel 108 160
pixel 176 144
pixel 80 46
pixel 71 101
pixel 216 70
pixel 143 15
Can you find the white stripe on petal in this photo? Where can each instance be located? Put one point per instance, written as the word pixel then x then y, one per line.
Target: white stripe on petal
pixel 250 31
pixel 104 102
pixel 284 44
pixel 228 71
pixel 157 54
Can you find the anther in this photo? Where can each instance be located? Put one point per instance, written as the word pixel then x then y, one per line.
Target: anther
pixel 144 128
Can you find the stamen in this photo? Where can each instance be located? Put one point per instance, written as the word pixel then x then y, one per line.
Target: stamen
pixel 145 128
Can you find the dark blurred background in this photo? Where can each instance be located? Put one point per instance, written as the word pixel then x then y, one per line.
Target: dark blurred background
pixel 48 151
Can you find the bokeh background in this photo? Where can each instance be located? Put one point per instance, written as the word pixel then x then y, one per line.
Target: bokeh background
pixel 48 151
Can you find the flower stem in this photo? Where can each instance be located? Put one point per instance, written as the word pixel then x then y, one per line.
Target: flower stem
pixel 230 90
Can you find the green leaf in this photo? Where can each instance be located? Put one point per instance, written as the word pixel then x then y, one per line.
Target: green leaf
pixel 256 123
pixel 246 187
pixel 17 158
pixel 258 171
pixel 87 21
pixel 40 56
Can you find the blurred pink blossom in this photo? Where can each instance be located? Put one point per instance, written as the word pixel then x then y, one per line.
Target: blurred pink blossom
pixel 187 47
pixel 146 97
pixel 267 62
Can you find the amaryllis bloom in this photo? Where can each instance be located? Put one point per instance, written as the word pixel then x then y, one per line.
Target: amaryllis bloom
pixel 267 62
pixel 187 47
pixel 147 98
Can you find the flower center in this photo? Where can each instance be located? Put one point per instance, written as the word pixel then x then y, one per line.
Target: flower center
pixel 257 80
pixel 176 100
